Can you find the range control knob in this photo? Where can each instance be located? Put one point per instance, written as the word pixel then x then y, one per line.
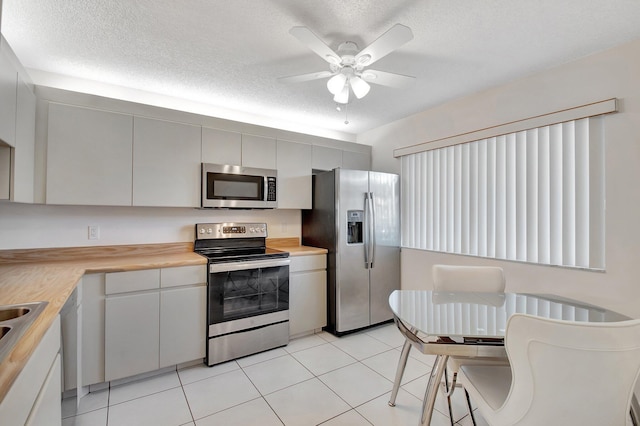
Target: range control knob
pixel 202 230
pixel 209 231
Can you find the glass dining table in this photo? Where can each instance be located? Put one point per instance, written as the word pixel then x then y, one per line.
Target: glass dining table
pixel 467 324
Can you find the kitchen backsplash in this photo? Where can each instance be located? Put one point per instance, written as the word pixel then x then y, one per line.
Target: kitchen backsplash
pixel 40 226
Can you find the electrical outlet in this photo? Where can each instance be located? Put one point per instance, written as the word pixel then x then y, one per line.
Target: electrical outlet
pixel 94 232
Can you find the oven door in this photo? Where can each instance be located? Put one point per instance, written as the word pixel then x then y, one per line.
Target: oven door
pixel 239 290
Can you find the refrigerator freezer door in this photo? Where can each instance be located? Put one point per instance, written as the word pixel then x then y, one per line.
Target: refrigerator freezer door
pixel 352 279
pixel 385 274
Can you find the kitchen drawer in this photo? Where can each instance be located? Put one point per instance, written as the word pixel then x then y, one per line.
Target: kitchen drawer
pixel 125 282
pixel 183 275
pixel 308 263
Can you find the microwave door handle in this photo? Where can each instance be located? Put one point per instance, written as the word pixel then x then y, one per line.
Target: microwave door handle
pixel 265 189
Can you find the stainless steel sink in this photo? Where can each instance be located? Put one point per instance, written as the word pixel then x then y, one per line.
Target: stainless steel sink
pixel 11 313
pixel 14 321
pixel 4 330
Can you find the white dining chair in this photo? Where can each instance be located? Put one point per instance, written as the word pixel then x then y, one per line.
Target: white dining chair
pixel 561 373
pixel 459 278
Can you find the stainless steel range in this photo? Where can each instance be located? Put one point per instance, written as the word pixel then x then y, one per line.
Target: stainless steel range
pixel 247 290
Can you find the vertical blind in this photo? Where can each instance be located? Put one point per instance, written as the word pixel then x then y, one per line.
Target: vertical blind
pixel 535 195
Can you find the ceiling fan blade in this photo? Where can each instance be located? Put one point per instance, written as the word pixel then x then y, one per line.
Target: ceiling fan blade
pixel 305 77
pixel 385 44
pixel 390 79
pixel 313 42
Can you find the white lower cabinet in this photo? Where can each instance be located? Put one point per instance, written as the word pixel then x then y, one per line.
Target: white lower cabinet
pixel 307 294
pixel 47 409
pixel 182 324
pixel 132 335
pixel 152 319
pixel 92 329
pixel 35 396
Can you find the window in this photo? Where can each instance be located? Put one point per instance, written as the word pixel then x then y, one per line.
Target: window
pixel 534 195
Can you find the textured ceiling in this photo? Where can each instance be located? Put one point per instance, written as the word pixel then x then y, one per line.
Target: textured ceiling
pixel 229 54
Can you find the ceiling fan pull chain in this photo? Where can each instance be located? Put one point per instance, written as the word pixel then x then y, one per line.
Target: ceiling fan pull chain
pixel 346 113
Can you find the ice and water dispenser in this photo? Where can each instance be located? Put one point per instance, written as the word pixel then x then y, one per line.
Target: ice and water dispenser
pixel 355 220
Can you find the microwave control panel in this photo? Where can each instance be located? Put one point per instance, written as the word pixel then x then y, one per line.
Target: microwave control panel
pixel 271 188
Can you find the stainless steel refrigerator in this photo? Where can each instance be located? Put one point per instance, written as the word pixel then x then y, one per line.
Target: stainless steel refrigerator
pixel 356 217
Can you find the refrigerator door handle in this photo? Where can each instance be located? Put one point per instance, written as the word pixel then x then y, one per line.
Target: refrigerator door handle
pixel 372 230
pixel 366 234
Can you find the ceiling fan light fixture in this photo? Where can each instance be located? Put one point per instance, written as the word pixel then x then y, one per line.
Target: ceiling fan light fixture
pixel 337 83
pixel 343 96
pixel 359 86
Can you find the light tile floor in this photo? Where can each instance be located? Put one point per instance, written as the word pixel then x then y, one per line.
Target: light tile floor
pixel 316 379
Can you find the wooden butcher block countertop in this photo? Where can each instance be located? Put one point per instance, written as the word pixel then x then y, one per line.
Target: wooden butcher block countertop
pixel 35 275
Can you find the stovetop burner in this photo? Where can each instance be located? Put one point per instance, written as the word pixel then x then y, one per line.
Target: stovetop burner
pixel 234 242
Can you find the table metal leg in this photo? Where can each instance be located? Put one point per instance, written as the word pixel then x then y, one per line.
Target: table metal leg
pixel 432 389
pixel 402 363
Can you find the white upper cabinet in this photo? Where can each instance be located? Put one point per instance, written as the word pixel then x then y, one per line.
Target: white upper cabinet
pixel 221 147
pixel 23 167
pixel 294 175
pixel 258 151
pixel 236 149
pixel 324 158
pixel 356 160
pixel 5 171
pixel 17 130
pixel 88 156
pixel 8 85
pixel 101 151
pixel 166 163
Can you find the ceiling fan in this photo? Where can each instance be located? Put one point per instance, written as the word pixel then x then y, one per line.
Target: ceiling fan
pixel 348 66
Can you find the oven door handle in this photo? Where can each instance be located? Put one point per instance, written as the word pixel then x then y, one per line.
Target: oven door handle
pixel 252 264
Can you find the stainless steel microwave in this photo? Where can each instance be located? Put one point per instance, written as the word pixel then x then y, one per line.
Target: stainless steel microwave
pixel 226 186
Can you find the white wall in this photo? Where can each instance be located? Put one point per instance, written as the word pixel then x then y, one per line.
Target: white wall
pixel 40 226
pixel 611 74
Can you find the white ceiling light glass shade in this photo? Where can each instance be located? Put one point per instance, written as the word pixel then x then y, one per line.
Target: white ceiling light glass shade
pixel 337 83
pixel 343 96
pixel 359 86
